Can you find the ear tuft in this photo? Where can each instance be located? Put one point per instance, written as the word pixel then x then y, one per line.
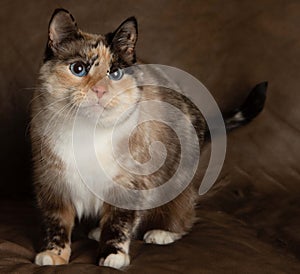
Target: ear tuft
pixel 124 39
pixel 62 27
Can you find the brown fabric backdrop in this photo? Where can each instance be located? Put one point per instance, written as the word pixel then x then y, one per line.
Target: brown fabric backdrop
pixel 250 222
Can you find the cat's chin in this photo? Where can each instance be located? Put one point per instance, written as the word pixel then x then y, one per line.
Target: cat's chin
pixel 96 114
pixel 104 117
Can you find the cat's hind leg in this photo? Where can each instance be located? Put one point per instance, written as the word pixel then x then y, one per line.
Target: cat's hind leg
pixel 170 222
pixel 161 237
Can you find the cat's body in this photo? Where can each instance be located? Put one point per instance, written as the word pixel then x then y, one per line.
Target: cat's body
pixel 75 90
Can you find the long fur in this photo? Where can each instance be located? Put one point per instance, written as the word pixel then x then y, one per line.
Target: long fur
pixel 60 191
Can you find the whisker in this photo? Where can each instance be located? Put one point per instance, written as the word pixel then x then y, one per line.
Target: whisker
pixel 34 98
pixel 69 114
pixel 45 132
pixel 41 111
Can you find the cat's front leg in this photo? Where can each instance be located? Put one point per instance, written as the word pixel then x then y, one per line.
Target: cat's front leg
pixel 117 227
pixel 57 228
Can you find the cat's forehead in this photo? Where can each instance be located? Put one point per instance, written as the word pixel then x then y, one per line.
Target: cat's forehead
pixel 87 49
pixel 95 47
pixel 92 41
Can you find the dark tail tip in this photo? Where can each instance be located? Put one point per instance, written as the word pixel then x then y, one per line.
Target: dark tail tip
pixel 255 101
pixel 252 106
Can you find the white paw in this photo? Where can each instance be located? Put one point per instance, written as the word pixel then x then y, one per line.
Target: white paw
pixel 49 258
pixel 118 260
pixel 43 259
pixel 94 234
pixel 160 237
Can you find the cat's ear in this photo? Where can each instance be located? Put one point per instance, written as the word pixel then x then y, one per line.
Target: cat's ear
pixel 62 27
pixel 123 40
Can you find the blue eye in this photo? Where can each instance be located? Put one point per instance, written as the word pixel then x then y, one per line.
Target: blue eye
pixel 78 69
pixel 117 75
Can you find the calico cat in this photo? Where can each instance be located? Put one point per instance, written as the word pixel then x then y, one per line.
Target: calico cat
pixel 81 77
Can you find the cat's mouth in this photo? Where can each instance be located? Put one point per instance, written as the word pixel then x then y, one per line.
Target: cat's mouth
pixel 101 104
pixel 101 108
pixel 108 109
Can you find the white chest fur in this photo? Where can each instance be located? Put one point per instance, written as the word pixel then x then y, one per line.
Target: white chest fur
pixel 89 160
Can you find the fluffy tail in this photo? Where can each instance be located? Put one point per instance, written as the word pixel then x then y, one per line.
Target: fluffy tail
pixel 252 106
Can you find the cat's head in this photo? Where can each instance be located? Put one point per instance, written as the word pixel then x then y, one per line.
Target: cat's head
pixel 87 72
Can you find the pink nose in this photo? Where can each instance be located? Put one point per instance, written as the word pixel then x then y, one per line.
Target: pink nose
pixel 99 90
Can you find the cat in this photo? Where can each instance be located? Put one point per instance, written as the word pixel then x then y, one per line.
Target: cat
pixel 81 77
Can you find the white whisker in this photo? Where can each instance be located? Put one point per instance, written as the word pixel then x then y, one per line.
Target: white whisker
pixel 48 132
pixel 41 111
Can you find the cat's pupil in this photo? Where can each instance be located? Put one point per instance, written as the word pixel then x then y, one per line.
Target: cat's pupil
pixel 116 75
pixel 78 69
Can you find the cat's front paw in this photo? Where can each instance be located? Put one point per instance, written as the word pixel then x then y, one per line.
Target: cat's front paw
pixel 49 258
pixel 161 237
pixel 117 261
